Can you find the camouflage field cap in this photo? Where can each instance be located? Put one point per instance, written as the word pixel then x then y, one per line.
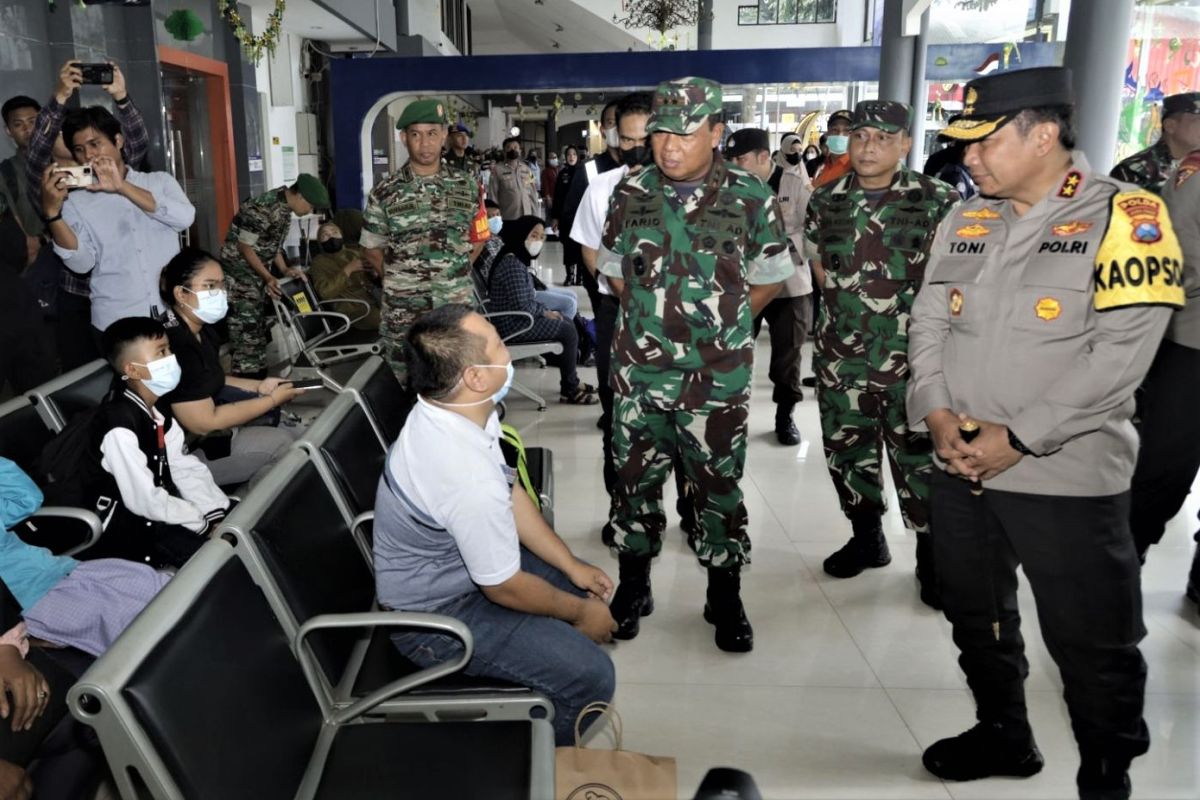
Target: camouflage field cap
pixel 310 189
pixel 991 102
pixel 682 105
pixel 430 111
pixel 1186 103
pixel 886 115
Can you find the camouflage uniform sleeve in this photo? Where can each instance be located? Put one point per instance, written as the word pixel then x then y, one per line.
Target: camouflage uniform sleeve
pixel 768 258
pixel 812 223
pixel 250 222
pixel 374 230
pixel 613 242
pixel 1124 172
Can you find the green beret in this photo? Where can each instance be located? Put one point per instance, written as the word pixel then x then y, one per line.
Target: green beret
pixel 310 189
pixel 430 111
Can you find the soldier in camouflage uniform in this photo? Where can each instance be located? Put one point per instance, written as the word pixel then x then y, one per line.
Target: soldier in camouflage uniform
pixel 868 235
pixel 417 229
pixel 1180 135
pixel 253 243
pixel 458 152
pixel 694 248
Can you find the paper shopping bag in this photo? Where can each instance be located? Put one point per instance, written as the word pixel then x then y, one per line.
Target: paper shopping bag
pixel 586 774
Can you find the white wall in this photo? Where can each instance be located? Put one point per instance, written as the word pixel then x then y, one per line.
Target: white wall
pixel 425 19
pixel 280 122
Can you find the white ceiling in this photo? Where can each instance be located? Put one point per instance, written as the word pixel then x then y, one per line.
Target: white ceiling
pixel 516 26
pixel 305 18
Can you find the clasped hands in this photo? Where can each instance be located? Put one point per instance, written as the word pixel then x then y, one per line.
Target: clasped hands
pixel 985 457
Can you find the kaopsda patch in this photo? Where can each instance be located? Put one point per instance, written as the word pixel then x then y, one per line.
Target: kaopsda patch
pixel 1140 262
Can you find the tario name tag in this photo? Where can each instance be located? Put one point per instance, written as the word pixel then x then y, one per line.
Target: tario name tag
pixel 1140 262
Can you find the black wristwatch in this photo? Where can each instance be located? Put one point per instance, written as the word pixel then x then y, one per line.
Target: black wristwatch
pixel 1018 445
pixel 55 218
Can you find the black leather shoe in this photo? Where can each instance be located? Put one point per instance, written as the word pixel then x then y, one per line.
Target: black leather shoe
pixel 809 382
pixel 633 599
pixel 859 553
pixel 608 534
pixel 1103 779
pixel 983 752
pixel 1193 584
pixel 724 609
pixel 785 428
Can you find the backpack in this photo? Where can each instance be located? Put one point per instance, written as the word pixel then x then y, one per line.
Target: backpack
pixel 65 462
pixel 514 455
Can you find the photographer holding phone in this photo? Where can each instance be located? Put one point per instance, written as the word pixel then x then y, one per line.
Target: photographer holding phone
pixel 207 401
pixel 37 133
pixel 122 229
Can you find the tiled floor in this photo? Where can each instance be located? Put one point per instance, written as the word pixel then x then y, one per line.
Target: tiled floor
pixel 848 680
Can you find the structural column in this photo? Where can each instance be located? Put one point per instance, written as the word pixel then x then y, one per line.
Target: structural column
pixel 895 55
pixel 1095 52
pixel 704 28
pixel 919 96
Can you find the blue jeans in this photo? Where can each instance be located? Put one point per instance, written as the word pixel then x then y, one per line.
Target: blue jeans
pixel 542 653
pixel 559 299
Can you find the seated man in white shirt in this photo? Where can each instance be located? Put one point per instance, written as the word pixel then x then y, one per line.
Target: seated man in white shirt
pixel 456 534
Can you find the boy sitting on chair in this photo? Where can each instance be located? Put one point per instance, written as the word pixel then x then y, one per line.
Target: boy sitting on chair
pixel 156 500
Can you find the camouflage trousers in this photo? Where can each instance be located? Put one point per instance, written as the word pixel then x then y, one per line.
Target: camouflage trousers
pixel 249 330
pixel 709 445
pixel 396 316
pixel 856 426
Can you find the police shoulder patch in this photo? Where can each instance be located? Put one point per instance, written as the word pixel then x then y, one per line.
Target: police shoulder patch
pixel 1140 262
pixel 1187 168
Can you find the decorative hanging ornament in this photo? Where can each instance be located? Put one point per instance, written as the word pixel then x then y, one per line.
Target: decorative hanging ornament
pixel 184 25
pixel 659 15
pixel 254 46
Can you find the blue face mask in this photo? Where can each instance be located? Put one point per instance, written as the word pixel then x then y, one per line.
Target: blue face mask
pixel 837 145
pixel 165 373
pixel 500 393
pixel 495 224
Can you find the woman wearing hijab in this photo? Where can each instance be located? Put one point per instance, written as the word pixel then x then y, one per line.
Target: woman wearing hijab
pixel 572 255
pixel 510 288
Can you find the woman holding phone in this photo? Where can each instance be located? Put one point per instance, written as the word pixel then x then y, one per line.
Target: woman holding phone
pixel 208 403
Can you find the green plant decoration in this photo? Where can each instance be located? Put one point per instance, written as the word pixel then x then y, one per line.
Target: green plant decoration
pixel 254 46
pixel 184 25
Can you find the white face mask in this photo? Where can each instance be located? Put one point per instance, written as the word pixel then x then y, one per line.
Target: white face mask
pixel 495 224
pixel 214 305
pixel 165 373
pixel 612 137
pixel 534 247
pixel 554 162
pixel 500 393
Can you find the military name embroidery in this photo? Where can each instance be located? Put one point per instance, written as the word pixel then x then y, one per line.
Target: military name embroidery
pixel 1075 248
pixel 969 248
pixel 1071 184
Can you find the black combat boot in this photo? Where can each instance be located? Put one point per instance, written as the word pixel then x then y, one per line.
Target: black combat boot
pixel 785 428
pixel 725 610
pixel 926 572
pixel 632 600
pixel 1193 584
pixel 987 750
pixel 1103 778
pixel 866 550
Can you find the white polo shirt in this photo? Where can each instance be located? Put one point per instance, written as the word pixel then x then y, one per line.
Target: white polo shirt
pixel 588 227
pixel 444 523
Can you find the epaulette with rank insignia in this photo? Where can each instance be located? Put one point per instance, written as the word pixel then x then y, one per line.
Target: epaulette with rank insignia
pixel 1187 168
pixel 1140 262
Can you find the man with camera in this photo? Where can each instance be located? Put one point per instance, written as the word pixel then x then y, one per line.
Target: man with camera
pixel 121 228
pixel 36 130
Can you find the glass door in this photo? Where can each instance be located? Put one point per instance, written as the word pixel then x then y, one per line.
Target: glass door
pixel 189 153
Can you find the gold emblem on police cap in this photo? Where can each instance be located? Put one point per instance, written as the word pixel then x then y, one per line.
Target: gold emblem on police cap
pixel 972 98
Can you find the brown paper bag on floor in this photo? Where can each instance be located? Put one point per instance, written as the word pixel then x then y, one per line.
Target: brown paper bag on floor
pixel 584 774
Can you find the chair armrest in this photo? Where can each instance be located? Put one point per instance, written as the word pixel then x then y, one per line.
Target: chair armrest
pixel 525 314
pixel 435 623
pixel 366 306
pixel 95 527
pixel 344 321
pixel 356 529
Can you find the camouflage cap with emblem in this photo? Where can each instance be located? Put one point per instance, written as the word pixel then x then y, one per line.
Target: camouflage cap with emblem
pixel 311 189
pixel 681 106
pixel 991 102
pixel 842 115
pixel 886 115
pixel 1185 103
pixel 430 111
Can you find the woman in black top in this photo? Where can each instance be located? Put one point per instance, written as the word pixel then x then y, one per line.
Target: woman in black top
pixel 207 401
pixel 510 288
pixel 572 256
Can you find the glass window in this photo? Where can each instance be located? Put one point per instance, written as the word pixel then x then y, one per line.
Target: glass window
pixel 747 15
pixel 788 12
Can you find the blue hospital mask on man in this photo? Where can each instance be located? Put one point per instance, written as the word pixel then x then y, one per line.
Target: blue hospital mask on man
pixel 496 397
pixel 495 224
pixel 838 145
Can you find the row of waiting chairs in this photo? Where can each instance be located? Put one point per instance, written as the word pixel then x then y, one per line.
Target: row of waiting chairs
pixel 265 669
